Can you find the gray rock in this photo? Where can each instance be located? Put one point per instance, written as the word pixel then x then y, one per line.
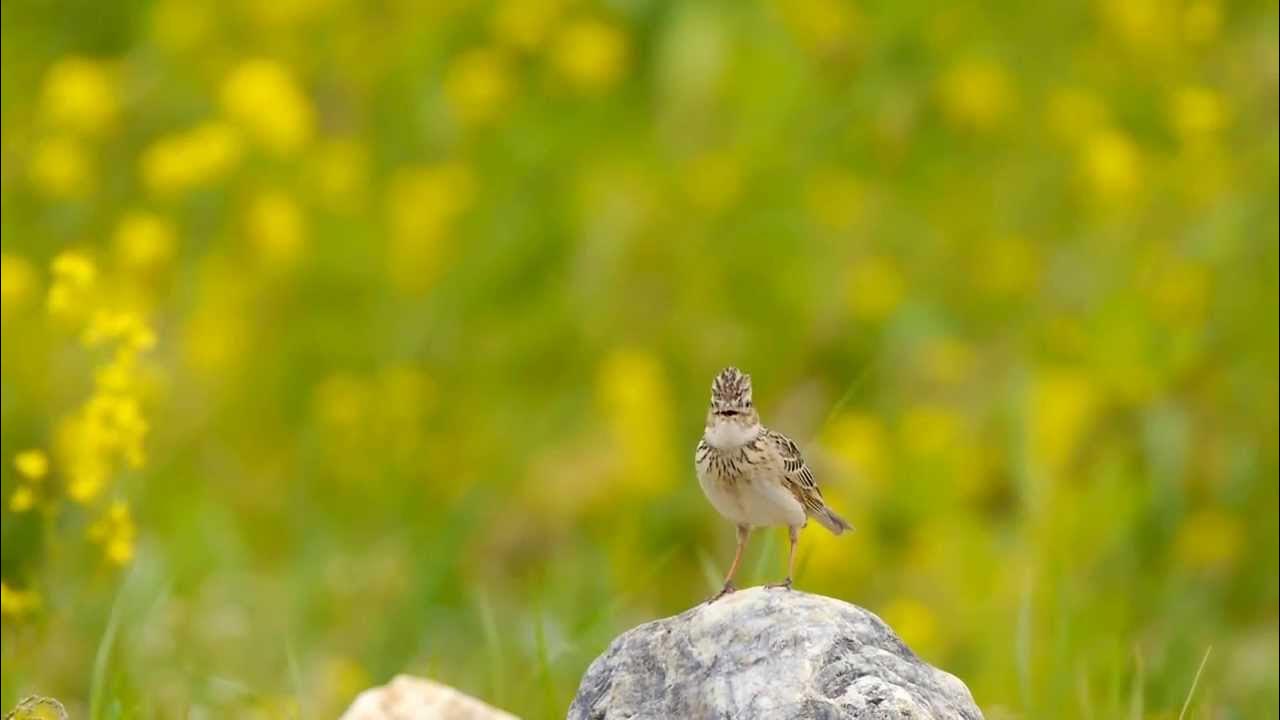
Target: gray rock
pixel 768 653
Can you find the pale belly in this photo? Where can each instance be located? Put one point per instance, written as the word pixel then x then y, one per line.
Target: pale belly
pixel 751 499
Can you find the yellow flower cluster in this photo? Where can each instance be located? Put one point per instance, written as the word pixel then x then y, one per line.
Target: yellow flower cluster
pixel 74 275
pixel 266 100
pixel 32 467
pixel 17 603
pixel 185 160
pixel 114 531
pixel 422 205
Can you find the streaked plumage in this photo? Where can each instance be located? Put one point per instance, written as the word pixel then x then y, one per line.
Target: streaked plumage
pixel 754 476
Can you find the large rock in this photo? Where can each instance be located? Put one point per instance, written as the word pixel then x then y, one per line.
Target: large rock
pixel 768 653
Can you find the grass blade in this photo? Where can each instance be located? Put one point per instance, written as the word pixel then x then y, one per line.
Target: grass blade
pixel 1195 681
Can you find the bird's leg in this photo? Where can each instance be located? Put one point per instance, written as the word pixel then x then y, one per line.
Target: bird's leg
pixel 744 531
pixel 793 533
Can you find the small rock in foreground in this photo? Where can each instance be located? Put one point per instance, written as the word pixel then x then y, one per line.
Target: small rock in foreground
pixel 411 698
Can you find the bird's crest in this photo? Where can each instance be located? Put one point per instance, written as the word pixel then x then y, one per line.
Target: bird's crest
pixel 731 390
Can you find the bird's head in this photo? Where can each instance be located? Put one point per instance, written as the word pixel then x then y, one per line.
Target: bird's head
pixel 732 420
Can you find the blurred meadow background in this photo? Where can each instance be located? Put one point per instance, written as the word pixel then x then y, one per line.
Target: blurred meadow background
pixel 342 339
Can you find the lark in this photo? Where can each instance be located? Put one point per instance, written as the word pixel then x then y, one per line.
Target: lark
pixel 754 476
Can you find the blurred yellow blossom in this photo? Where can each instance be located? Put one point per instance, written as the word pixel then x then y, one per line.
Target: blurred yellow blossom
pixel 478 85
pixel 276 227
pixel 114 531
pixel 1073 114
pixel 144 241
pixel 59 167
pixel 976 94
pixel 636 402
pixel 74 275
pixel 835 198
pixel 1196 113
pixel 16 603
pixel 1179 291
pixel 1064 403
pixel 343 402
pixel 525 24
pixel 81 95
pixel 184 160
pixel 592 55
pixel 914 621
pixel 1143 25
pixel 1111 165
pixel 31 464
pixel 283 13
pixel 858 441
pixel 1210 539
pixel 875 288
pixel 826 28
pixel 422 205
pixel 264 97
pixel 340 173
pixel 713 180
pixel 18 283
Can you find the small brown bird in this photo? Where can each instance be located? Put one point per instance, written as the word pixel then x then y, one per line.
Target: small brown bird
pixel 755 476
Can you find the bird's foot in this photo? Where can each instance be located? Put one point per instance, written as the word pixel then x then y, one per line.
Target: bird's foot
pixel 785 584
pixel 728 588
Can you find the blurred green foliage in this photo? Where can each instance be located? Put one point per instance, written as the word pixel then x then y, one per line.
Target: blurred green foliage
pixel 343 339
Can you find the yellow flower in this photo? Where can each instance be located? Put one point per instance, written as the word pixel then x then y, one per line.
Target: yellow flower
pixel 835 199
pixel 73 281
pixel 591 55
pixel 914 621
pixel 144 241
pixel 1142 24
pixel 22 499
pixel 1075 113
pixel 182 161
pixel 422 205
pixel 976 95
pixel 1111 165
pixel 822 27
pixel 858 441
pixel 17 283
pixel 875 288
pixel 266 100
pixel 17 603
pixel 1197 113
pixel 525 24
pixel 276 227
pixel 60 168
pixel 31 464
pixel 1180 293
pixel 634 396
pixel 80 95
pixel 713 181
pixel 115 532
pixel 1063 405
pixel 478 85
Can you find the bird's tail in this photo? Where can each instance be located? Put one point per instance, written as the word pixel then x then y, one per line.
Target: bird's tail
pixel 831 521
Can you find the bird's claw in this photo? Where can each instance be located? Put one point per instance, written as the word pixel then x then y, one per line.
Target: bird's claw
pixel 785 584
pixel 728 588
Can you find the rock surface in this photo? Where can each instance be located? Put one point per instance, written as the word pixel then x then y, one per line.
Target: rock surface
pixel 411 698
pixel 768 653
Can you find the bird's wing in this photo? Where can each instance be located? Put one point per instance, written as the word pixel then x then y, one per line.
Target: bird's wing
pixel 796 474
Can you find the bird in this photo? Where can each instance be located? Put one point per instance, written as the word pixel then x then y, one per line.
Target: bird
pixel 756 477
